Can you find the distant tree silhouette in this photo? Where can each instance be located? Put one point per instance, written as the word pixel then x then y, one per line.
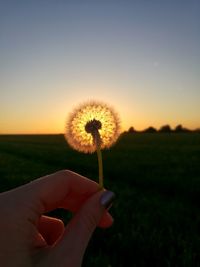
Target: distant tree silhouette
pixel 150 130
pixel 165 129
pixel 180 129
pixel 131 130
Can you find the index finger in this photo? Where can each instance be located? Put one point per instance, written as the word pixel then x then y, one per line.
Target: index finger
pixel 62 189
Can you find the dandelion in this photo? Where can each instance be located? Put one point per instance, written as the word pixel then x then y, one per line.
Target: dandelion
pixel 91 127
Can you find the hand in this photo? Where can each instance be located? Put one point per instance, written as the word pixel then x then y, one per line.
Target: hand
pixel 28 238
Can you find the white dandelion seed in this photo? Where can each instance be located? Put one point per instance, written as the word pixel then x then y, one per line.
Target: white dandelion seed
pixel 91 127
pixel 88 115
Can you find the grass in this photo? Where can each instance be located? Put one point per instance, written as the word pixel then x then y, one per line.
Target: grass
pixel 156 178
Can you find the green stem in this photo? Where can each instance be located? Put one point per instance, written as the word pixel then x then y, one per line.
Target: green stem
pixel 97 141
pixel 100 163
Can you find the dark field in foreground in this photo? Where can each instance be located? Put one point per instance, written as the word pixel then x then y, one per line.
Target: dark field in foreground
pixel 156 178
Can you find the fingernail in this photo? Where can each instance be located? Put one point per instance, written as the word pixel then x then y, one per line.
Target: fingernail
pixel 107 198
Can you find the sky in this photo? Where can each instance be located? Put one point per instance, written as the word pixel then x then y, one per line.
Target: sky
pixel 142 57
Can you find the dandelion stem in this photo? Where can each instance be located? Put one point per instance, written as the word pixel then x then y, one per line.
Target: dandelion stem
pixel 92 127
pixel 100 163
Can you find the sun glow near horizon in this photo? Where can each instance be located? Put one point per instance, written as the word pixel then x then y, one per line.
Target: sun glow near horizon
pixel 54 122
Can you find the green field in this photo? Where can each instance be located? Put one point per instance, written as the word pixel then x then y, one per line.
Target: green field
pixel 156 178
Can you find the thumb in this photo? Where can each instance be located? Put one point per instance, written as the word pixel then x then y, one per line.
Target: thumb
pixel 79 230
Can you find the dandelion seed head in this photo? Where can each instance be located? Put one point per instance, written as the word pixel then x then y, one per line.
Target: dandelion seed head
pixel 92 126
pixel 88 120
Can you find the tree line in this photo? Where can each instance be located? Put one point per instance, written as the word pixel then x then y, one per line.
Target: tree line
pixel 164 129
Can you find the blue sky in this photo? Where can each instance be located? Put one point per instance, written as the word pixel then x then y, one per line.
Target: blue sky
pixel 142 57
